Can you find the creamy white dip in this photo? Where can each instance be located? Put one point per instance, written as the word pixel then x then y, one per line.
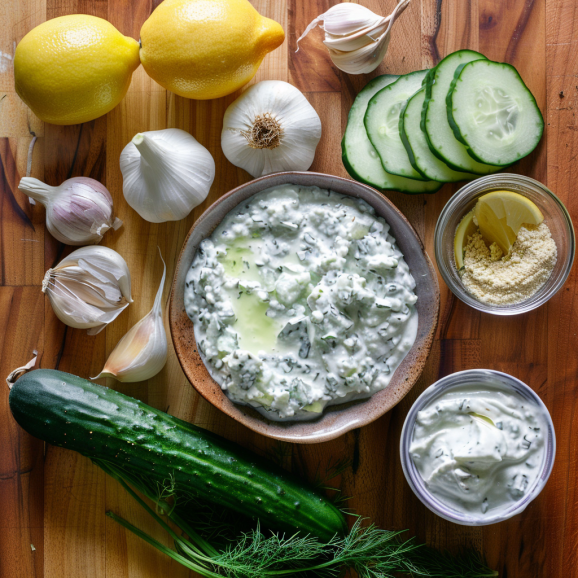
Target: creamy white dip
pixel 300 299
pixel 479 449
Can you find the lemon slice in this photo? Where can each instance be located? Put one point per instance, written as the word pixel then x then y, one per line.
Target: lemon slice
pixel 466 228
pixel 501 214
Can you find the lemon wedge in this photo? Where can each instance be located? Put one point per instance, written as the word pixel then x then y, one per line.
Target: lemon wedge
pixel 466 228
pixel 501 214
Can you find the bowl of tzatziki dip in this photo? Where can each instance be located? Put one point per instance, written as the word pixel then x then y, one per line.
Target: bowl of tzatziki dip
pixel 303 305
pixel 477 447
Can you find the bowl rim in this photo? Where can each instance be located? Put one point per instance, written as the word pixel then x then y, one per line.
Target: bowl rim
pixel 495 181
pixel 416 482
pixel 282 430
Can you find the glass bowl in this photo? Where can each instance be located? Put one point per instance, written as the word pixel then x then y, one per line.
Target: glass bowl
pixel 555 216
pixel 491 379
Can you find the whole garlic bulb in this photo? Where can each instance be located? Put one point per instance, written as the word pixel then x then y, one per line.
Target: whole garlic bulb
pixel 271 127
pixel 78 212
pixel 89 288
pixel 166 174
pixel 356 37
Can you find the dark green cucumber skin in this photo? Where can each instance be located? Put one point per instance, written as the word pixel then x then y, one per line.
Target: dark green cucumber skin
pixel 449 105
pixel 456 129
pixel 428 82
pixel 350 170
pixel 373 102
pixel 409 149
pixel 68 411
pixel 353 174
pixel 404 138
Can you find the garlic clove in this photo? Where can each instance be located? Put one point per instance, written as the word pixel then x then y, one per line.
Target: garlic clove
pixel 166 174
pixel 89 288
pixel 357 39
pixel 143 351
pixel 271 127
pixel 364 60
pixel 343 19
pixel 74 312
pixel 78 212
pixel 104 264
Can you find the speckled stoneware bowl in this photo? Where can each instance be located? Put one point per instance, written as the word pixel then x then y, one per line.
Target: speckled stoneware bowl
pixel 337 419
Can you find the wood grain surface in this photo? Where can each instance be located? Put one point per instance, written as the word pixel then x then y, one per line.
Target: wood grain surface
pixel 53 501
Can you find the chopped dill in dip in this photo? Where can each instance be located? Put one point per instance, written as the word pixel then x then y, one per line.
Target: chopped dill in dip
pixel 479 448
pixel 301 299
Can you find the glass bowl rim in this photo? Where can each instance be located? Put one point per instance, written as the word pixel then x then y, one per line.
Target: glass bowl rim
pixel 479 186
pixel 414 479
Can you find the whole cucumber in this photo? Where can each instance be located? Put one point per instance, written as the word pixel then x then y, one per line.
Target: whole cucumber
pixel 71 412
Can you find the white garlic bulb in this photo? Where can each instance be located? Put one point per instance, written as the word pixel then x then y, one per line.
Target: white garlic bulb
pixel 166 174
pixel 271 127
pixel 78 212
pixel 143 351
pixel 356 37
pixel 89 288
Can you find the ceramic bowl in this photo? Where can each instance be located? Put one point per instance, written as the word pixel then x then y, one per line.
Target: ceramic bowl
pixel 337 419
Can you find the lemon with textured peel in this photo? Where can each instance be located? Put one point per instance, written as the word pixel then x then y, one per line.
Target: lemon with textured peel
pixel 74 68
pixel 205 49
pixel 465 229
pixel 501 214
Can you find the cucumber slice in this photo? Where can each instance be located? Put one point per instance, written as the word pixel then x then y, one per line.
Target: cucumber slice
pixel 359 156
pixel 382 124
pixel 435 124
pixel 493 112
pixel 414 140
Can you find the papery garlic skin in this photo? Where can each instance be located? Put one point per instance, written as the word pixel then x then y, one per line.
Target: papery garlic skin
pixel 143 351
pixel 356 37
pixel 89 288
pixel 166 174
pixel 78 212
pixel 271 127
pixel 345 19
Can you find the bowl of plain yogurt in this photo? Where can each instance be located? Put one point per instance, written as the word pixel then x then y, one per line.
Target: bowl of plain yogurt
pixel 303 305
pixel 477 447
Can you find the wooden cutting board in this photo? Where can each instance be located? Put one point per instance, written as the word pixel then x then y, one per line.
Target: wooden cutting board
pixel 53 502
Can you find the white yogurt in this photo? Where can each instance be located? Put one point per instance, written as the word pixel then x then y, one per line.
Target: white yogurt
pixel 479 449
pixel 301 299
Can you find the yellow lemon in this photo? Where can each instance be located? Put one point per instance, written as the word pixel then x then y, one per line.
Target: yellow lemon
pixel 501 214
pixel 206 49
pixel 74 68
pixel 465 229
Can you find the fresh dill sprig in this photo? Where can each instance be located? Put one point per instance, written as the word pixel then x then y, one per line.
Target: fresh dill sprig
pixel 256 556
pixel 334 468
pixel 236 548
pixel 322 482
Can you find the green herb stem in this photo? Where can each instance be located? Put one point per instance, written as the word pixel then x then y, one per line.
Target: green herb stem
pixel 125 478
pixel 370 551
pixel 164 549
